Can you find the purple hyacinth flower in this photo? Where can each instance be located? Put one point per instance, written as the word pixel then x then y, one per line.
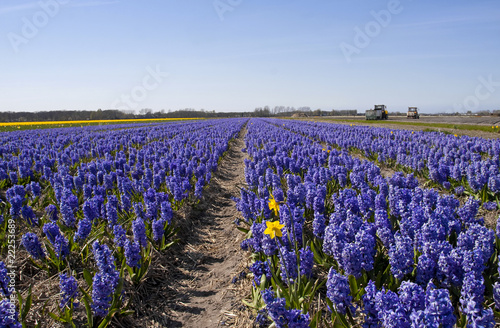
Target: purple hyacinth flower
pixel 120 235
pixel 4 280
pixel 401 256
pixel 158 228
pixel 69 289
pixel 51 212
pixel 132 254
pixel 8 314
pixel 338 291
pixel 29 215
pixel 139 231
pixel 83 230
pixel 32 245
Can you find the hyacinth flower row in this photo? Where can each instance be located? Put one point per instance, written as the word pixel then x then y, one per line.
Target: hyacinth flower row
pixel 334 243
pixel 93 203
pixel 458 163
pixel 26 153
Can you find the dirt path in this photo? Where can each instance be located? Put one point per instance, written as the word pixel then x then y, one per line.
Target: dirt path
pixel 193 284
pixel 220 259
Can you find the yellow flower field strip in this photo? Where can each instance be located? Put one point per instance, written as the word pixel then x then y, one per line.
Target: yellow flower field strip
pixel 96 121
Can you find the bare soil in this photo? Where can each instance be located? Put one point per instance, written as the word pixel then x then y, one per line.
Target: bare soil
pixel 490 217
pixel 200 281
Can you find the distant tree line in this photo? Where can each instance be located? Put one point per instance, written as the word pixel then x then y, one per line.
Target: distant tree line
pixel 147 113
pixel 64 115
pixel 285 111
pixel 110 114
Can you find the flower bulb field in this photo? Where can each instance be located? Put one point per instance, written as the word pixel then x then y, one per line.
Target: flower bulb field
pixel 257 222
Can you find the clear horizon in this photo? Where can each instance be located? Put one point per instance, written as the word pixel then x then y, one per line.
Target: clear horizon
pixel 236 55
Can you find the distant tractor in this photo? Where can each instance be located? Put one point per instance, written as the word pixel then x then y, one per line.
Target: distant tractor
pixel 412 113
pixel 379 112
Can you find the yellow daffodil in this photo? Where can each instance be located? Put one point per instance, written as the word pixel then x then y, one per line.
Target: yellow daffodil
pixel 273 205
pixel 62 123
pixel 274 229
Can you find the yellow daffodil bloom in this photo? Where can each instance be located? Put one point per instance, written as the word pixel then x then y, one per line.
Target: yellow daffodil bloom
pixel 19 124
pixel 274 229
pixel 273 205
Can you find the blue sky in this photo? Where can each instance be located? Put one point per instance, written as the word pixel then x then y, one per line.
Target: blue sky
pixel 235 55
